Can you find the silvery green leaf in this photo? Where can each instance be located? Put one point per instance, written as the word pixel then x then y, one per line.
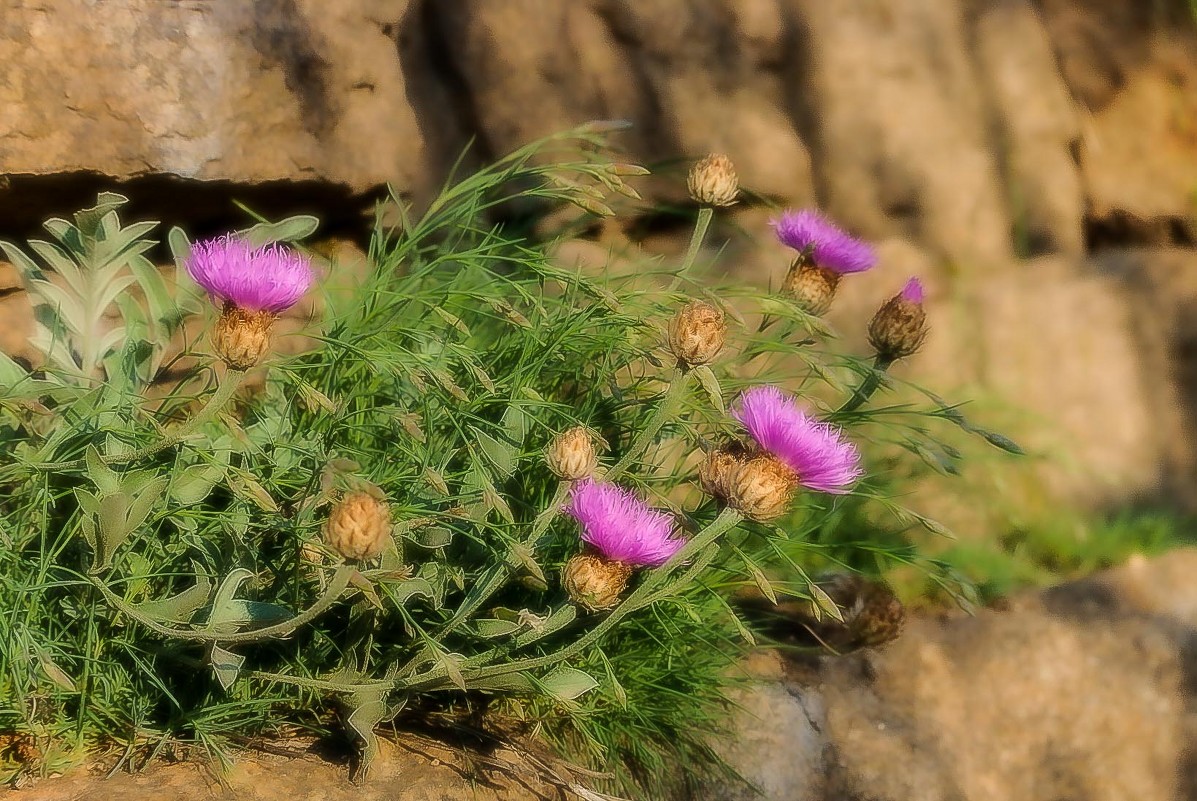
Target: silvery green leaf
pixel 192 484
pixel 706 376
pixel 67 308
pixel 488 628
pixel 112 290
pixel 224 611
pixel 506 682
pixel 436 537
pixel 106 479
pixel 26 266
pixel 452 665
pixel 180 248
pixel 367 709
pixel 89 220
pixel 62 264
pixel 566 683
pixel 55 673
pixel 515 425
pixel 501 455
pixel 226 665
pixel 824 603
pixel 180 608
pixel 758 576
pixel 402 591
pixel 246 486
pixel 291 229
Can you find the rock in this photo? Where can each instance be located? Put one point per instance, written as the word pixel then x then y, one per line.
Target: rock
pixel 1082 691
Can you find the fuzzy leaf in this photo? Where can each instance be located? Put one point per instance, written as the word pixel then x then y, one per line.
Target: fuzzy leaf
pixel 226 665
pixel 180 608
pixel 557 620
pixel 192 484
pixel 367 708
pixel 292 229
pixel 496 628
pixel 53 671
pixel 706 376
pixel 502 455
pixel 504 683
pixel 248 487
pixel 566 683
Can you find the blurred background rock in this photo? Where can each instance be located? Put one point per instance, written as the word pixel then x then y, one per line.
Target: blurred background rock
pixel 1034 161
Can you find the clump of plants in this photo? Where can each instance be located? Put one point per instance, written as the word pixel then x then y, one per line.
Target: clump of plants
pixel 474 492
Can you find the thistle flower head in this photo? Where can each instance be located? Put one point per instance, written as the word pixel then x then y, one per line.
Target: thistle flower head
pixel 271 278
pixel 913 291
pixel 829 246
pixel 816 452
pixel 620 526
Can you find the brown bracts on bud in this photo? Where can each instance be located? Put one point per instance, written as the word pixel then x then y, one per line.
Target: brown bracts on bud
pixel 718 469
pixel 594 582
pixel 900 325
pixel 571 455
pixel 812 287
pixel 713 182
pixel 358 527
pixel 762 487
pixel 242 336
pixel 697 333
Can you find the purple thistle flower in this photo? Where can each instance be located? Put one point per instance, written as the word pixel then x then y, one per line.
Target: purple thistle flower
pixel 829 246
pixel 621 526
pixel 271 278
pixel 913 291
pixel 817 452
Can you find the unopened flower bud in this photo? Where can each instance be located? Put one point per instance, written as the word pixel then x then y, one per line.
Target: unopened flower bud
pixel 594 582
pixel 900 325
pixel 571 455
pixel 812 287
pixel 697 333
pixel 242 336
pixel 762 487
pixel 717 470
pixel 358 527
pixel 712 181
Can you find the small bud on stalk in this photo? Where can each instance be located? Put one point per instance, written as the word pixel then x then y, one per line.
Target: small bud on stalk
pixel 717 470
pixel 697 333
pixel 900 325
pixel 358 527
pixel 762 487
pixel 713 182
pixel 571 455
pixel 594 582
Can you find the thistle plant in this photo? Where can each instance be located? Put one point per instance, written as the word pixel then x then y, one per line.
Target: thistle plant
pixel 473 481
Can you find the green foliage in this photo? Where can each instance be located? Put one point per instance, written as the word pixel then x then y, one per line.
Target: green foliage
pixel 162 559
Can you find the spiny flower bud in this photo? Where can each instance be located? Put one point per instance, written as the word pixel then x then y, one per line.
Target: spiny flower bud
pixel 900 325
pixel 762 487
pixel 812 287
pixel 242 336
pixel 697 333
pixel 717 470
pixel 712 181
pixel 594 582
pixel 571 455
pixel 358 527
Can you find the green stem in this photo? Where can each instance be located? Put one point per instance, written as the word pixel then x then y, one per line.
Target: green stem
pixel 338 584
pixel 494 578
pixel 223 394
pixel 867 387
pixel 705 214
pixel 664 412
pixel 644 594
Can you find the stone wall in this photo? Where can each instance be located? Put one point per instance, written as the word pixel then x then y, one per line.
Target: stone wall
pixel 1034 160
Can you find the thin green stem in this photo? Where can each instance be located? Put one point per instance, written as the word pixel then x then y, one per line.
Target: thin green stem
pixel 337 586
pixel 643 595
pixel 664 412
pixel 215 403
pixel 868 386
pixel 705 214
